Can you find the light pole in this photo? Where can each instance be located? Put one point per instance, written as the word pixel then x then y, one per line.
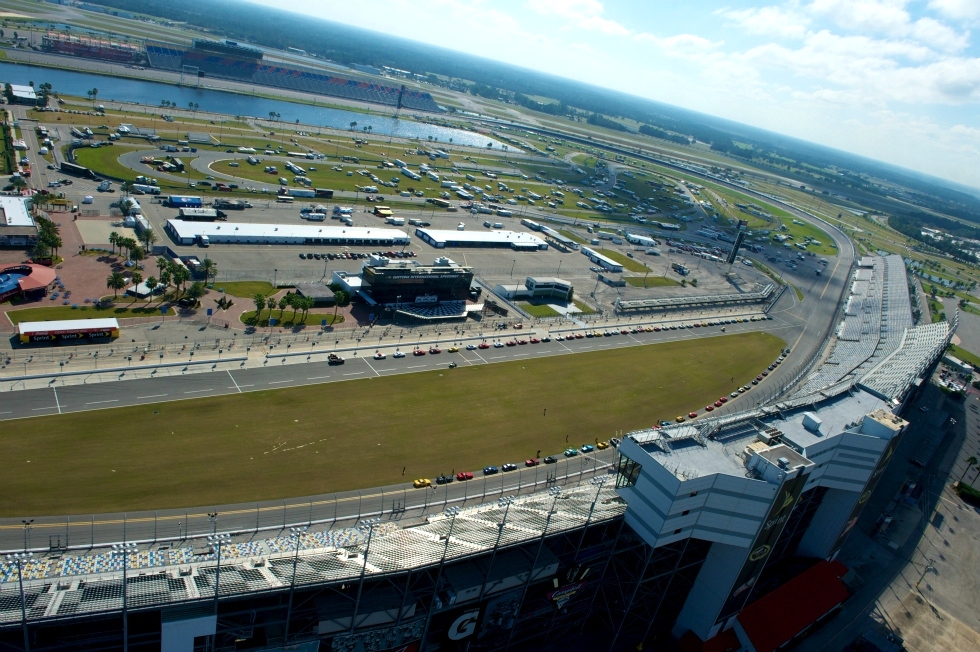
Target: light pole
pixel 213 517
pixel 20 558
pixel 512 268
pixel 275 278
pixel 554 492
pixel 217 540
pixel 368 526
pixel 123 550
pixel 452 512
pixel 27 533
pixel 505 502
pixel 296 534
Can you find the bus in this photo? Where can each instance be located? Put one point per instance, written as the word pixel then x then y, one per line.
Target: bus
pixel 284 199
pixel 67 330
pixel 324 192
pixel 441 203
pixel 383 211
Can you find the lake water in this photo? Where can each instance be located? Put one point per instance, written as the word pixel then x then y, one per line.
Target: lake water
pixel 118 89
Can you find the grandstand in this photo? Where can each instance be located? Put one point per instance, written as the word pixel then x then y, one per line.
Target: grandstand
pixel 877 316
pixel 760 295
pixel 174 580
pixel 230 60
pixel 91 47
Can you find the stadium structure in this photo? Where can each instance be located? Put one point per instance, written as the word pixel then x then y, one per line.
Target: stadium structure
pixel 423 292
pixel 231 60
pixel 698 534
pixel 91 47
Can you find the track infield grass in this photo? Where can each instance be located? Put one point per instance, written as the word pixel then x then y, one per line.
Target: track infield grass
pixel 360 433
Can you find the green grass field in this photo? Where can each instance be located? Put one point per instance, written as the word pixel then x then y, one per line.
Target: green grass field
pixel 245 289
pixel 650 281
pixel 323 438
pixel 539 310
pixel 287 318
pixel 53 313
pixel 624 260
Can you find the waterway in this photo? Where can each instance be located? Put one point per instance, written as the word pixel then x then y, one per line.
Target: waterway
pixel 150 93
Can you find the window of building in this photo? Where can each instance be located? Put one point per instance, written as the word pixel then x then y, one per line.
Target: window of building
pixel 629 471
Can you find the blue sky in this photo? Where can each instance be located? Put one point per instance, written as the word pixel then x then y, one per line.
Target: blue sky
pixel 894 80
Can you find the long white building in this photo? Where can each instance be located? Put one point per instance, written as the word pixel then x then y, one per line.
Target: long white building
pixel 187 233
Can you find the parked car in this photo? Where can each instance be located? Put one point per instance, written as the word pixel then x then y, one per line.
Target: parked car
pixel 571 452
pixel 489 470
pixel 464 475
pixel 587 448
pixel 421 483
pixel 509 467
pixel 551 459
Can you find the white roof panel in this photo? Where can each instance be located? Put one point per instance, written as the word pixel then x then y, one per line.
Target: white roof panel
pixel 495 236
pixel 187 229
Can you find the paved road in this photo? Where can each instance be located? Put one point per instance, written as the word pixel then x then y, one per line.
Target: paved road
pixel 293 370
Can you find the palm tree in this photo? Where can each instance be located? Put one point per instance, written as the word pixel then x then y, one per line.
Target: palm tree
pixel 271 305
pixel 970 463
pixel 149 238
pixel 165 277
pixel 113 239
pixel 162 264
pixel 94 93
pixel 115 282
pixel 307 303
pixel 181 276
pixel 293 303
pixel 137 278
pixel 353 125
pixel 126 187
pixel 151 284
pixel 259 300
pixel 210 269
pixel 282 303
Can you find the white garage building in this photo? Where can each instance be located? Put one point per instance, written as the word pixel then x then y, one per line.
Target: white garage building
pixel 187 233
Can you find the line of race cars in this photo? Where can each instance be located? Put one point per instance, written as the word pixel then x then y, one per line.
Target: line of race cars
pixel 462 476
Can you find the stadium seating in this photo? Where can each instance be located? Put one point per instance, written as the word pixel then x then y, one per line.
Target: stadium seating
pixel 310 80
pixel 164 55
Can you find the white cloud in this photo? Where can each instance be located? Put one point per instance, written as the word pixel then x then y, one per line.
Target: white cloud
pixel 786 22
pixel 880 16
pixel 584 14
pixel 968 10
pixel 890 18
pixel 681 46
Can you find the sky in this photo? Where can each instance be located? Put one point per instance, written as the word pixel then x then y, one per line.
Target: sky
pixel 893 80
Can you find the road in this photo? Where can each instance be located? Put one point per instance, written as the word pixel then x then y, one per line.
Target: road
pixel 277 371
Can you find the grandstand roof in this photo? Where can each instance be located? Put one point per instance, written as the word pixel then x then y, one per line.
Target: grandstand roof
pixel 776 618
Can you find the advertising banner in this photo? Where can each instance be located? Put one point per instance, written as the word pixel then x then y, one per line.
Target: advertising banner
pixel 769 533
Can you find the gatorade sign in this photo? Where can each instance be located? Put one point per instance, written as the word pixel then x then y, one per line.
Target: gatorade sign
pixel 464 626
